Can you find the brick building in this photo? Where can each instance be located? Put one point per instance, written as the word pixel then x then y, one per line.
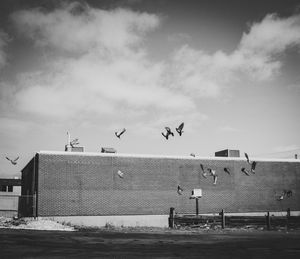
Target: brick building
pixel 108 186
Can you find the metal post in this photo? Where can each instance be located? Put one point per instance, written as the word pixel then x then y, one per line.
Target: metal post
pixel 288 214
pixel 268 220
pixel 197 206
pixel 223 218
pixel 171 217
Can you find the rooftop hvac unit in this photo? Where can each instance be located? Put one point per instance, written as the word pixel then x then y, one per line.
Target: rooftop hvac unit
pixel 108 150
pixel 228 153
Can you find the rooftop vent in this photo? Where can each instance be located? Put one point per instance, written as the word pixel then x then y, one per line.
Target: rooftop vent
pixel 69 148
pixel 227 153
pixel 108 150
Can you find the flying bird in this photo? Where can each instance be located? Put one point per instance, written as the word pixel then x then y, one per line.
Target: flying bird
pixel 215 179
pixel 253 165
pixel 279 198
pixel 203 171
pixel 179 190
pixel 192 154
pixel 245 171
pixel 13 161
pixel 289 193
pixel 247 157
pixel 169 132
pixel 213 174
pixel 226 170
pixel 120 174
pixel 180 129
pixel 120 132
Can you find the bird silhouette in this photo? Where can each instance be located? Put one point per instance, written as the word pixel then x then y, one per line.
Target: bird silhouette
pixel 13 161
pixel 120 133
pixel 169 132
pixel 179 190
pixel 245 171
pixel 74 142
pixel 247 157
pixel 253 166
pixel 192 154
pixel 279 198
pixel 215 179
pixel 180 129
pixel 203 171
pixel 120 174
pixel 226 169
pixel 213 174
pixel 289 193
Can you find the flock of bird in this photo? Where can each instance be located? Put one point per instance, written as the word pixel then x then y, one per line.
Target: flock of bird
pixel 166 134
pixel 285 193
pixel 211 172
pixel 205 171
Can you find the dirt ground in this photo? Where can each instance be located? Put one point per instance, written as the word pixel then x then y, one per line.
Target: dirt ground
pixel 165 244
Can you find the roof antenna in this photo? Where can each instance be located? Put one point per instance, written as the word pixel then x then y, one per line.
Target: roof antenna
pixel 68 146
pixel 69 138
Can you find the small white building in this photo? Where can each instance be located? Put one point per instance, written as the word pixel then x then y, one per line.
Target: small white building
pixel 10 190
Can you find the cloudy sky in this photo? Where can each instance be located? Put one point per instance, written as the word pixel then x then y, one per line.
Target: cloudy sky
pixel 228 69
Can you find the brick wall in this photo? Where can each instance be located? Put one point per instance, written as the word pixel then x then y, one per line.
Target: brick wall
pixel 89 185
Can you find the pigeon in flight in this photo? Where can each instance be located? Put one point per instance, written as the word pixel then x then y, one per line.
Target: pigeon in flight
pixel 226 169
pixel 245 171
pixel 119 133
pixel 247 157
pixel 179 190
pixel 253 165
pixel 120 174
pixel 180 129
pixel 13 161
pixel 192 154
pixel 203 171
pixel 279 198
pixel 169 132
pixel 215 179
pixel 74 142
pixel 213 174
pixel 289 193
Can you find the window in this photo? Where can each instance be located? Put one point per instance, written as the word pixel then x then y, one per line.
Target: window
pixel 6 188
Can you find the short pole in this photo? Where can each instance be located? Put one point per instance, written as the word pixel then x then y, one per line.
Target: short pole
pixel 171 217
pixel 288 214
pixel 268 220
pixel 197 207
pixel 223 218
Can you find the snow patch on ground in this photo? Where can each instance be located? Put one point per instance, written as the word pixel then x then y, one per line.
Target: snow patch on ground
pixel 34 224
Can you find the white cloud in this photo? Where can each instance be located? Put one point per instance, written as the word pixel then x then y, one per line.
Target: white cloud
pixel 77 27
pixel 103 66
pixel 110 69
pixel 272 35
pixel 256 58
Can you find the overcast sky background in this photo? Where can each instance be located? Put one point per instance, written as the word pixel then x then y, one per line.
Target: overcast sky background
pixel 228 69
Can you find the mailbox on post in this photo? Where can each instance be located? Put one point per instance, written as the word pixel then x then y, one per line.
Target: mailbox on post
pixel 196 194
